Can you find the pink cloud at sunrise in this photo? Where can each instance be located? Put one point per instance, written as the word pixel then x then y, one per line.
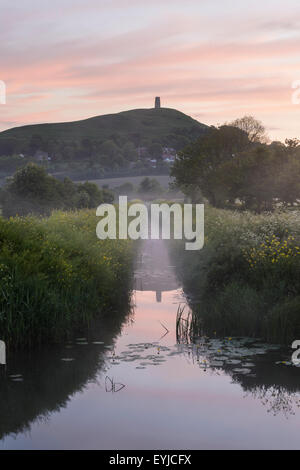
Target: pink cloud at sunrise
pixel 214 60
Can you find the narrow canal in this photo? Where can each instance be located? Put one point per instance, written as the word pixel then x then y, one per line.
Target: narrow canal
pixel 137 385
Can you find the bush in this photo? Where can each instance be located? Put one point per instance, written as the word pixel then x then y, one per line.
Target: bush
pixel 56 275
pixel 246 279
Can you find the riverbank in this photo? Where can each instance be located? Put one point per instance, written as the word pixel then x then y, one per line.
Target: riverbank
pixel 246 279
pixel 55 275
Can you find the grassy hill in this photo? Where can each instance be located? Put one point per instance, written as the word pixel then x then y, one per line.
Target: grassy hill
pixel 148 123
pixel 100 145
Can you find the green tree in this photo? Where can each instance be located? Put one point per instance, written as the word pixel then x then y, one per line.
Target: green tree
pixel 196 169
pixel 260 178
pixel 254 128
pixel 130 152
pixel 109 148
pixel 155 150
pixel 149 186
pixel 32 190
pixel 32 181
pixel 125 189
pixel 95 194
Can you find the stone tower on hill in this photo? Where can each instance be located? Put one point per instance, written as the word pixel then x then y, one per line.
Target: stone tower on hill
pixel 157 102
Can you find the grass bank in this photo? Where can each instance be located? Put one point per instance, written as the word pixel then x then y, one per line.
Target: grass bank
pixel 246 279
pixel 55 275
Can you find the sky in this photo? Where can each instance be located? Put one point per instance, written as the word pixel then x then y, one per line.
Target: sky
pixel 215 60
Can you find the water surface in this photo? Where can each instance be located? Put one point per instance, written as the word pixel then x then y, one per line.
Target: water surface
pixel 132 386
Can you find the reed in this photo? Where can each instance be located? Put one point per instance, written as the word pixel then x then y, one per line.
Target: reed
pixel 188 325
pixel 55 275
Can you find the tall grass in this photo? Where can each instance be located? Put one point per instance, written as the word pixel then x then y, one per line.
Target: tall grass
pixel 55 275
pixel 246 279
pixel 187 325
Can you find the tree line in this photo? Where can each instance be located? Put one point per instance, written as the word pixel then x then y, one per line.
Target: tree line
pixel 117 152
pixel 234 166
pixel 32 191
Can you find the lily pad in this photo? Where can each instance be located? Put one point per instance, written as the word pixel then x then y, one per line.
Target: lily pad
pixel 242 371
pixel 216 363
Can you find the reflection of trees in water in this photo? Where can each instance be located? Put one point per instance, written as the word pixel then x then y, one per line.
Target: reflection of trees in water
pixel 277 400
pixel 277 387
pixel 49 383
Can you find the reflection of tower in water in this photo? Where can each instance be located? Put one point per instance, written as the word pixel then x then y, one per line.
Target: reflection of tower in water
pixel 154 273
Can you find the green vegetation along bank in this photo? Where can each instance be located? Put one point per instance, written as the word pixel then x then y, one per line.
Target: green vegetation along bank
pixel 55 276
pixel 32 191
pixel 246 279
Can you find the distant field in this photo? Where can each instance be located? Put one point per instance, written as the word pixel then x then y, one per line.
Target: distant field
pixel 163 180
